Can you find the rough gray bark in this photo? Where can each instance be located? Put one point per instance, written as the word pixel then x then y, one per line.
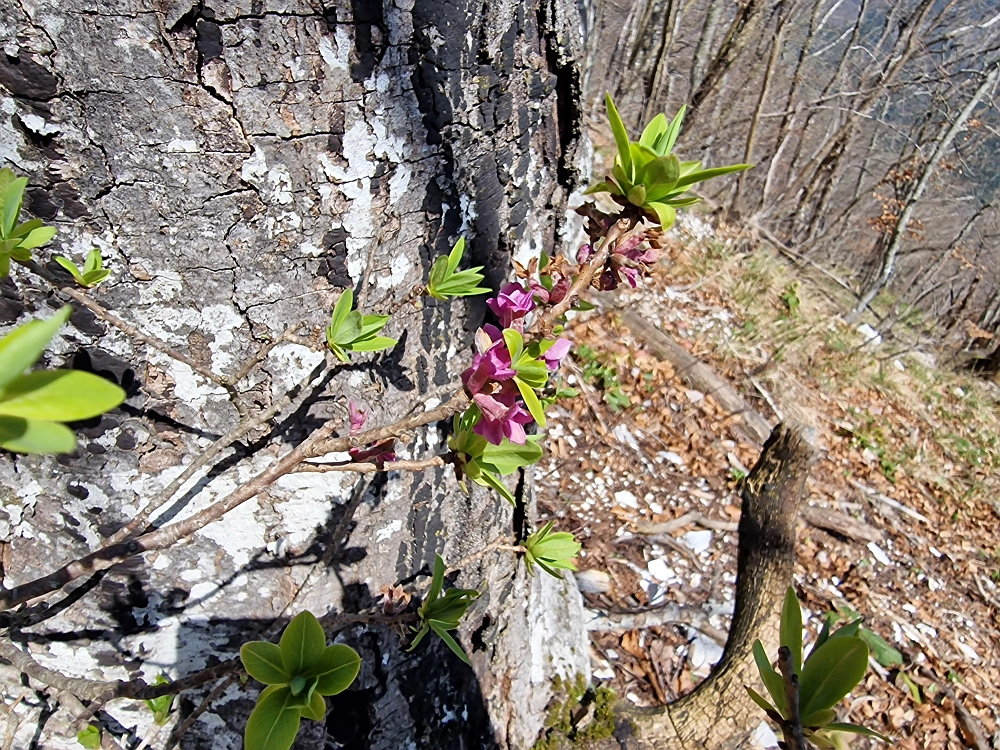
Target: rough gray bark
pixel 240 164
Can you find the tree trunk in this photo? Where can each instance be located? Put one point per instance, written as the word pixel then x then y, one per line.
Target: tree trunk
pixel 719 714
pixel 887 262
pixel 240 165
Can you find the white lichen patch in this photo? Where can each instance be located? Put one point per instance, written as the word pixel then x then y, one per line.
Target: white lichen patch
pixel 238 533
pixel 337 59
pixel 388 531
pixel 308 507
pixel 77 661
pixel 222 321
pixel 289 364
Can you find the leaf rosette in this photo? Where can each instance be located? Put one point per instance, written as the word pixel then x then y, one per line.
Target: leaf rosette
pixel 299 671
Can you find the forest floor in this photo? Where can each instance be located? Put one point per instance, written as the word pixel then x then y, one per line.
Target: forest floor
pixel 908 449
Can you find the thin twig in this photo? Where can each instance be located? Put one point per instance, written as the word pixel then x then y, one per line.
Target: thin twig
pixel 243 428
pixel 365 467
pixel 130 330
pixel 792 726
pixel 168 535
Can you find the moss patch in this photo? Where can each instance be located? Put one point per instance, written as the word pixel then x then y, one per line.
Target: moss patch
pixel 578 716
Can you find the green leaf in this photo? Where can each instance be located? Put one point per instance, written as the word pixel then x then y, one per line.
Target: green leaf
pixel 22 347
pixel 160 706
pixel 302 643
pixel 620 179
pixel 262 661
pixel 666 214
pixel 621 137
pixel 451 643
pixel 94 261
pixel 439 272
pixel 884 654
pixel 489 479
pixel 437 580
pixel 674 130
pixel 11 194
pixel 602 187
pixel 682 202
pixel 26 228
pixel 849 630
pixel 761 701
pixel 707 174
pixel 514 342
pixel 455 256
pixel 341 309
pixel 820 718
pixel 374 344
pixel 551 551
pixel 637 195
pixel 532 371
pixel 95 277
pixel 337 350
pixel 60 396
pixel 70 266
pixel 831 673
pixel 641 156
pixel 273 723
pixel 316 709
pixel 35 436
pixel 656 128
pixel 844 726
pixel 824 636
pixel 791 628
pixel 37 238
pixel 660 177
pixel 531 401
pixel 773 681
pixel 349 328
pixel 371 324
pixel 89 736
pixel 336 668
pixel 508 457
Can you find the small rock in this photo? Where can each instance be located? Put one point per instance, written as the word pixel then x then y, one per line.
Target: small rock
pixel 672 457
pixel 698 541
pixel 626 499
pixel 704 653
pixel 593 581
pixel 871 336
pixel 661 571
pixel 764 736
pixel 694 396
pixel 878 554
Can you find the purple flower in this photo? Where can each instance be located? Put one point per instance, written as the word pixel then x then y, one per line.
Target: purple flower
pixel 554 356
pixel 503 416
pixel 377 453
pixel 357 417
pixel 553 296
pixel 584 253
pixel 490 364
pixel 512 304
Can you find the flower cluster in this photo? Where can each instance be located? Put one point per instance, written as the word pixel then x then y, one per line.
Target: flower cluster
pixel 497 380
pixel 630 259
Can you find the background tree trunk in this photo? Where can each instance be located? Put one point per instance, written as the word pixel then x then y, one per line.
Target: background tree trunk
pixel 719 714
pixel 240 164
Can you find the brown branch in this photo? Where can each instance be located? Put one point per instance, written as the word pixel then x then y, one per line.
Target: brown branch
pixel 792 726
pixel 243 428
pixel 130 330
pixel 364 467
pixel 113 554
